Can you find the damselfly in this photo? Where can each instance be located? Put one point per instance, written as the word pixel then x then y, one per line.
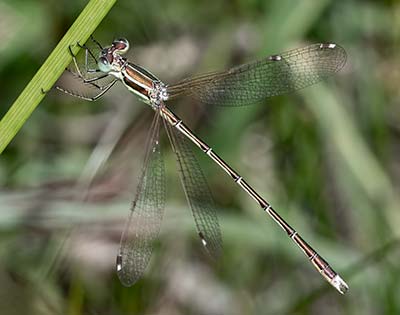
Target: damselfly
pixel 241 85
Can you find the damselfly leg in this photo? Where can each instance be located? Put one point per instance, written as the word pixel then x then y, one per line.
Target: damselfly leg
pixel 84 68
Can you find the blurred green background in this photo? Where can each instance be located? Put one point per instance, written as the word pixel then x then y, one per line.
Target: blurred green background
pixel 325 157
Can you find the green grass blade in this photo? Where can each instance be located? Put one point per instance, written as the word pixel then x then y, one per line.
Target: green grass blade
pixel 52 68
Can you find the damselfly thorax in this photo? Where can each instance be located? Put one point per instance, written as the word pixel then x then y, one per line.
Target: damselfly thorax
pixel 136 79
pixel 143 84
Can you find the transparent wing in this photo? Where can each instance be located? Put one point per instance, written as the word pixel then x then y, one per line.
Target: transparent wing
pixel 271 76
pixel 144 221
pixel 197 192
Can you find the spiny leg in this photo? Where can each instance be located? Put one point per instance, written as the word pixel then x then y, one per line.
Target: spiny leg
pixel 103 90
pixel 80 74
pixel 87 69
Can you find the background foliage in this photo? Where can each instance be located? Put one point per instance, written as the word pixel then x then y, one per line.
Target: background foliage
pixel 325 157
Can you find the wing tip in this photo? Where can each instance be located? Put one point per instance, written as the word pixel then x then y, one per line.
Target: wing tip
pixel 339 51
pixel 126 276
pixel 213 247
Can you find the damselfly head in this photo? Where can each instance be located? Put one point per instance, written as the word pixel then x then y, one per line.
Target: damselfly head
pixel 110 57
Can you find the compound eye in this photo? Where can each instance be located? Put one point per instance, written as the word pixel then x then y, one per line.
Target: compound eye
pixel 104 65
pixel 121 45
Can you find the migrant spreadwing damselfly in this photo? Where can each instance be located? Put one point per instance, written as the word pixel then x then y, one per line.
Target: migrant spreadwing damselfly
pixel 241 85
